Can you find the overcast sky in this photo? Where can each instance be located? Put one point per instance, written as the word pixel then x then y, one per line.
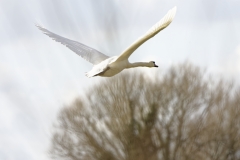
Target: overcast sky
pixel 38 76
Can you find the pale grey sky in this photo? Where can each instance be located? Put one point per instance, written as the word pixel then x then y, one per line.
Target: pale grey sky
pixel 39 76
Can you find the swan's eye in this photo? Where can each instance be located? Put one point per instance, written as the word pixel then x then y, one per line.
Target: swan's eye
pixel 153 62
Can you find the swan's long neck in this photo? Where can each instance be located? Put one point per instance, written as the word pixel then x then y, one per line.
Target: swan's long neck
pixel 138 64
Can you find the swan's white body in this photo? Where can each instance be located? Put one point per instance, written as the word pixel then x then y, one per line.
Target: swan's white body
pixel 109 66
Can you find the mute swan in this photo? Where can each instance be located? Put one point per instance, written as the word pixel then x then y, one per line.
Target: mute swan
pixel 109 66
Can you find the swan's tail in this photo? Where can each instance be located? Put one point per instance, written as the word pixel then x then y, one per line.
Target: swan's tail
pixel 89 75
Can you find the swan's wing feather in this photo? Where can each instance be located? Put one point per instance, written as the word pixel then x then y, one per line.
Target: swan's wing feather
pixel 163 23
pixel 89 54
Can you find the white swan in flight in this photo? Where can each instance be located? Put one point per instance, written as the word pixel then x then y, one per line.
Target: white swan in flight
pixel 109 66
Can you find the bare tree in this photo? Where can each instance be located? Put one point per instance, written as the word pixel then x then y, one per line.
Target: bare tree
pixel 182 114
pixel 220 132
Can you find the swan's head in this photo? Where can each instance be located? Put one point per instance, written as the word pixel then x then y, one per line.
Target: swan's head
pixel 153 64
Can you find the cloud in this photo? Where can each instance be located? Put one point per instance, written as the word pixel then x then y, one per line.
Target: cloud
pixel 232 63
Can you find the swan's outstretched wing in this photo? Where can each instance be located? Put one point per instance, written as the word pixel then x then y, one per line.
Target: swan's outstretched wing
pixel 163 23
pixel 89 54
